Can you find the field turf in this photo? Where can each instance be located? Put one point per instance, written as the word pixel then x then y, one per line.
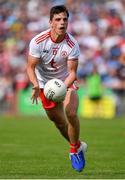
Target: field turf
pixel 32 148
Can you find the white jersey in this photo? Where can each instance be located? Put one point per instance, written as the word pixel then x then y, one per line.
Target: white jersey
pixel 52 56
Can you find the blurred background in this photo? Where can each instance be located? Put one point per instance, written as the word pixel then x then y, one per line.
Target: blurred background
pixel 98 26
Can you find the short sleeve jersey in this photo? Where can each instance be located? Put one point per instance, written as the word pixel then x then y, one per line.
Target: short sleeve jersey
pixel 52 56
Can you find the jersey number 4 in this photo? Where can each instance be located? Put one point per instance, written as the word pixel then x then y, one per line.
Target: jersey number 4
pixel 53 65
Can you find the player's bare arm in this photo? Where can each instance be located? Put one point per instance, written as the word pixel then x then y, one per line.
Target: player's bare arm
pixel 32 62
pixel 72 68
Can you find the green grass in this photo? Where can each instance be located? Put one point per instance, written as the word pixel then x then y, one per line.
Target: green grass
pixel 32 148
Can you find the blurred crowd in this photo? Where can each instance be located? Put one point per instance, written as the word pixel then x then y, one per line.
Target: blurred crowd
pixel 99 27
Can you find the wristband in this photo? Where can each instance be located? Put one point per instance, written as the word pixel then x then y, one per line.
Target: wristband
pixel 35 87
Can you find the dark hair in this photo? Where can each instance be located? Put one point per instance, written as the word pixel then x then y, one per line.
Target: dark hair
pixel 58 9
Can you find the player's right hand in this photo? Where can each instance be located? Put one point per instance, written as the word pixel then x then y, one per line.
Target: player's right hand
pixel 35 94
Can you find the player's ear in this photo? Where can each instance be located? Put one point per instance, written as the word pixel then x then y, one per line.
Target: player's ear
pixel 50 22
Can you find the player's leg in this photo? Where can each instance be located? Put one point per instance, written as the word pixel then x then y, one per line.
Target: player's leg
pixel 55 112
pixel 70 130
pixel 57 115
pixel 67 124
pixel 76 147
pixel 71 107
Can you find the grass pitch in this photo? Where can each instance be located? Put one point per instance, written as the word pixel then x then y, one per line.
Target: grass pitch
pixel 32 148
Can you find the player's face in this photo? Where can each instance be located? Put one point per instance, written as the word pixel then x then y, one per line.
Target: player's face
pixel 59 23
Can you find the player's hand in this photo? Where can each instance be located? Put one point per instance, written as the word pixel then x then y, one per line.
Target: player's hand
pixel 35 94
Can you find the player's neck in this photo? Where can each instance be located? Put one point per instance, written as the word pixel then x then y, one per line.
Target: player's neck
pixel 56 38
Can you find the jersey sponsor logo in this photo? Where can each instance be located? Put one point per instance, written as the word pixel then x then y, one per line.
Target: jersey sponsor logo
pixel 55 50
pixel 45 51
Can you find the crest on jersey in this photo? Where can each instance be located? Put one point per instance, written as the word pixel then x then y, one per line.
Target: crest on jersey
pixel 64 54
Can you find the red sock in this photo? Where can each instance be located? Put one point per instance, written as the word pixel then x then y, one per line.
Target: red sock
pixel 74 147
pixel 78 144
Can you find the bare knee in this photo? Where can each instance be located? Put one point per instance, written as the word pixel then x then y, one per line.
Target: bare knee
pixel 71 114
pixel 60 125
